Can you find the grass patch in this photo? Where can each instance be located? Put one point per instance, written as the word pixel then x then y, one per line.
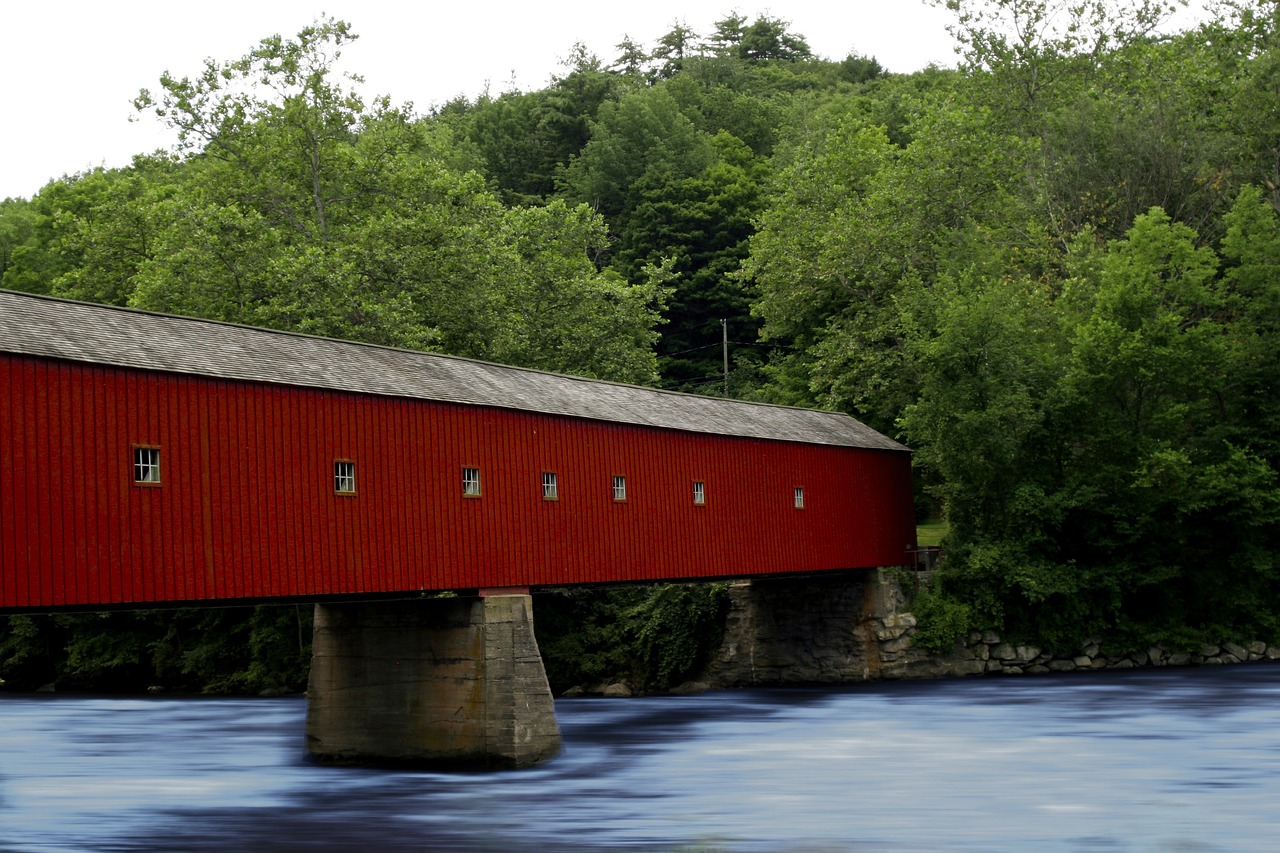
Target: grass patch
pixel 931 532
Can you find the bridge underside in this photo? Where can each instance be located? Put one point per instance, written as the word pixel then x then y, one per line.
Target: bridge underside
pixel 444 683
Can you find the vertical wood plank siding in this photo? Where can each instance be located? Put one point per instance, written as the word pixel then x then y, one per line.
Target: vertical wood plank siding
pixel 246 507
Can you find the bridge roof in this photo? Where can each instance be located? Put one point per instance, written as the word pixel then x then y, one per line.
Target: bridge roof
pixel 96 334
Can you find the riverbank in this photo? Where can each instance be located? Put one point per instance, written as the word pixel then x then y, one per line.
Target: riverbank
pixel 859 627
pixel 988 654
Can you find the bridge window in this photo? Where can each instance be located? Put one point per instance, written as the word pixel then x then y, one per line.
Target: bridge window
pixel 619 488
pixel 344 477
pixel 471 482
pixel 799 497
pixel 550 489
pixel 699 493
pixel 146 466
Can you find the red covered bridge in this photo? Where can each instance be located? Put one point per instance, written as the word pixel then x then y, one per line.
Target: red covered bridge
pixel 149 458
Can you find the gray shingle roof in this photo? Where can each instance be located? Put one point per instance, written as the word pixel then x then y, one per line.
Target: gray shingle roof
pixel 75 331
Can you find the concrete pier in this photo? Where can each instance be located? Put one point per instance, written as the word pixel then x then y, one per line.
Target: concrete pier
pixel 442 683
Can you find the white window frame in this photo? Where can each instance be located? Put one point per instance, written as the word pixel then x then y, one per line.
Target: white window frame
pixel 471 481
pixel 799 493
pixel 699 493
pixel 146 465
pixel 344 477
pixel 550 486
pixel 619 488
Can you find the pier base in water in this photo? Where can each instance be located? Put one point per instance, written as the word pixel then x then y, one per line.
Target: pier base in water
pixel 446 683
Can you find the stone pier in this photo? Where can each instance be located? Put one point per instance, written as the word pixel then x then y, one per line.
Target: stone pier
pixel 442 683
pixel 804 630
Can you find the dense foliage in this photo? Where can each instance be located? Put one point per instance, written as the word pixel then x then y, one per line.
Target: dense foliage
pixel 213 650
pixel 1053 271
pixel 651 637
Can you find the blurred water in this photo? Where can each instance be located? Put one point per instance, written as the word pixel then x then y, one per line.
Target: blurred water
pixel 1163 760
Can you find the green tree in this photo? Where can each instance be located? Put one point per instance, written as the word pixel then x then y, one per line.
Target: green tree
pixel 526 138
pixel 727 37
pixel 19 246
pixel 513 151
pixel 673 48
pixel 633 60
pixel 645 131
pixel 604 324
pixel 1027 47
pixel 856 68
pixel 196 650
pixel 303 209
pixel 768 40
pixel 87 234
pixel 1251 282
pixel 702 224
pixel 1089 450
pixel 1248 32
pixel 279 123
pixel 654 637
pixel 859 220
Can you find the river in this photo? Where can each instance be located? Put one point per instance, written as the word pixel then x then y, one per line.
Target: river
pixel 1155 760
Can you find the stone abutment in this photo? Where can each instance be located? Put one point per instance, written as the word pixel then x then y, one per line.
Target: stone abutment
pixel 441 683
pixel 857 627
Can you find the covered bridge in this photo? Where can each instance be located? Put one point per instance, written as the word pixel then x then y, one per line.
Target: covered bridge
pixel 149 458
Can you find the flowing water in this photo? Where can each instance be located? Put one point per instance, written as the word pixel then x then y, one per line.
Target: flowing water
pixel 1159 760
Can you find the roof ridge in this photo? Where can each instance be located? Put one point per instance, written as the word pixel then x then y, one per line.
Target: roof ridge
pixel 126 309
pixel 111 334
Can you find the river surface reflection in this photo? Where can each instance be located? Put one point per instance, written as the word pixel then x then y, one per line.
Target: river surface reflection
pixel 1160 760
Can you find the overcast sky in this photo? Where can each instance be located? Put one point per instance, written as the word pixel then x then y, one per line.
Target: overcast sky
pixel 69 70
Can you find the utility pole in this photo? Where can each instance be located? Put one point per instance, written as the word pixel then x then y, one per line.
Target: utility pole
pixel 724 336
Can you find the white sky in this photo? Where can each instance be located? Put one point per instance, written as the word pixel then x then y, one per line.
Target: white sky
pixel 69 70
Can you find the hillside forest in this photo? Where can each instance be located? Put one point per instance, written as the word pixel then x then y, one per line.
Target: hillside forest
pixel 1053 271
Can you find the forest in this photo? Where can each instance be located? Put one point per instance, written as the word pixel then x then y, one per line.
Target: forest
pixel 1053 271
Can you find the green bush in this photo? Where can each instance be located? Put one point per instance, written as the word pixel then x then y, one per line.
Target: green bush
pixel 675 628
pixel 653 637
pixel 940 620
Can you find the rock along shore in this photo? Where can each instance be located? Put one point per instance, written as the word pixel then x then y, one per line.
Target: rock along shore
pixel 858 627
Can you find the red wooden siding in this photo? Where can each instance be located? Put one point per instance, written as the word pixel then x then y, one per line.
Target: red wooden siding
pixel 247 508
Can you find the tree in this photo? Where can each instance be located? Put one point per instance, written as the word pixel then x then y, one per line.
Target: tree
pixel 857 220
pixel 1027 46
pixel 643 132
pixel 102 229
pixel 986 354
pixel 727 38
pixel 676 193
pixel 1090 450
pixel 279 122
pixel 526 138
pixel 1249 31
pixel 673 48
pixel 514 153
pixel 768 40
pixel 604 325
pixel 856 68
pixel 20 250
pixel 1251 285
pixel 301 208
pixel 701 223
pixel 633 60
